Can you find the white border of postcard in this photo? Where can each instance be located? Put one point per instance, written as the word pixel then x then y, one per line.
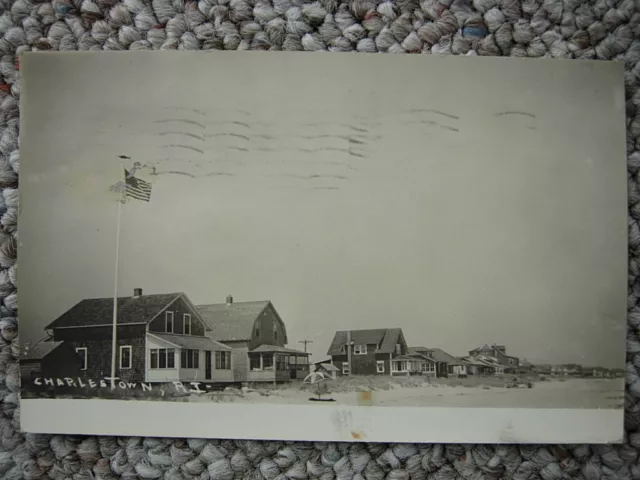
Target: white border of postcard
pixel 322 422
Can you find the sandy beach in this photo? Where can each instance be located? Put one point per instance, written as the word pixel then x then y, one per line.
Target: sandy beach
pixel 572 393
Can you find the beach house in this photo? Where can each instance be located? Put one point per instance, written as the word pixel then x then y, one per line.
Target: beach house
pixel 381 351
pixel 160 338
pixel 257 337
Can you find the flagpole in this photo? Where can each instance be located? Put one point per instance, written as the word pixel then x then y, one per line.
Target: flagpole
pixel 114 336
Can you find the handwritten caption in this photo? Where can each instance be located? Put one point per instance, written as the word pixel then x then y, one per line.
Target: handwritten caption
pixel 116 383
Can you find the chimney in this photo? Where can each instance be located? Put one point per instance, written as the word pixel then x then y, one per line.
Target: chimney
pixel 229 300
pixel 137 292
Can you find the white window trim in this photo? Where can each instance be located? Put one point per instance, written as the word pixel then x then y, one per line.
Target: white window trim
pixel 86 357
pixel 184 323
pixel 166 321
pixel 122 347
pixel 360 350
pixel 175 361
pixel 380 363
pixel 347 370
pixel 394 367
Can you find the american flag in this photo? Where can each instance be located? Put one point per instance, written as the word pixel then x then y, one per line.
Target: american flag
pixel 137 188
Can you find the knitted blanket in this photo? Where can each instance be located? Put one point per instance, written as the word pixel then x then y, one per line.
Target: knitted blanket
pixel 602 29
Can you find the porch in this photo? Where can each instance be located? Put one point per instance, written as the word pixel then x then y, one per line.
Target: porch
pixel 270 363
pixel 405 365
pixel 186 359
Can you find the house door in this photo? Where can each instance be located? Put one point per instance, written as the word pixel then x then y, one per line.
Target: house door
pixel 292 373
pixel 207 365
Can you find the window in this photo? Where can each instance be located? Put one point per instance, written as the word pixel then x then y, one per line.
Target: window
pixel 186 324
pixel 345 368
pixel 380 366
pixel 267 362
pixel 189 358
pixel 282 362
pixel 360 350
pixel 125 356
pixel 163 358
pixel 254 362
pixel 223 361
pixel 430 367
pixel 275 331
pixel 398 349
pixel 82 352
pixel 257 332
pixel 399 366
pixel 168 322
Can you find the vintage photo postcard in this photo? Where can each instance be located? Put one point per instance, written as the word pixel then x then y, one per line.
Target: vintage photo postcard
pixel 329 247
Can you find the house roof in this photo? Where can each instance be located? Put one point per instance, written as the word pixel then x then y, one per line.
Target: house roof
pixel 421 356
pixel 440 355
pixel 99 311
pixel 232 322
pixel 39 350
pixel 436 354
pixel 417 349
pixel 385 338
pixel 474 361
pixel 277 349
pixel 484 347
pixel 329 367
pixel 191 341
pixel 403 357
pixel 489 361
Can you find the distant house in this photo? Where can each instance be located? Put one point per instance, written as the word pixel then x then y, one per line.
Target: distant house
pixel 525 367
pixel 160 338
pixel 498 354
pixel 47 358
pixel 596 372
pixel 478 366
pixel 258 338
pixel 442 363
pixel 543 369
pixel 567 369
pixel 381 351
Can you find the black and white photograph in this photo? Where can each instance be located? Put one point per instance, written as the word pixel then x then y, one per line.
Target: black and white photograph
pixel 318 250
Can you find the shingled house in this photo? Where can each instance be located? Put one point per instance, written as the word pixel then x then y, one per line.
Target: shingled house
pixel 160 338
pixel 381 351
pixel 438 362
pixel 497 354
pixel 258 338
pixel 47 358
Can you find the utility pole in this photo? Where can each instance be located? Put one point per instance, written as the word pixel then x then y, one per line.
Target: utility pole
pixel 306 342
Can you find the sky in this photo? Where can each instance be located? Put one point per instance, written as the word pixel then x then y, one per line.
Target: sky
pixel 466 201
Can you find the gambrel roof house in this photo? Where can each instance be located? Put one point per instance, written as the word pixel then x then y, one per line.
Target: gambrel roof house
pixel 258 336
pixel 385 339
pixel 235 321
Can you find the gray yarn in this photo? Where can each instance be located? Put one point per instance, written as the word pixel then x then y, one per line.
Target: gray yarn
pixel 601 29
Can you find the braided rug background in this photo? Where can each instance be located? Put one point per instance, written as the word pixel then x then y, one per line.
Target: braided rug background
pixel 602 29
